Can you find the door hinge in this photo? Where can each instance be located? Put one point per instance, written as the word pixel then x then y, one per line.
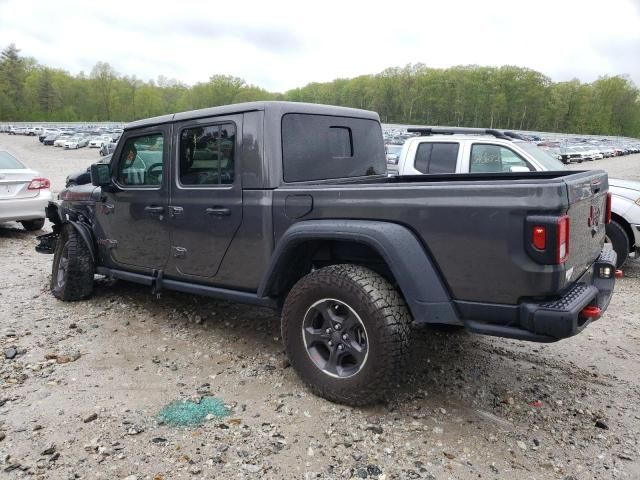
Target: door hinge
pixel 179 252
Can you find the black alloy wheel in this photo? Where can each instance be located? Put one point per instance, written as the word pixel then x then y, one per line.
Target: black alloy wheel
pixel 335 338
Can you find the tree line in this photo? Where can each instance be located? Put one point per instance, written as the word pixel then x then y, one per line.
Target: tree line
pixel 508 97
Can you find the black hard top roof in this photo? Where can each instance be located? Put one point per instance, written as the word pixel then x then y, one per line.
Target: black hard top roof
pixel 278 108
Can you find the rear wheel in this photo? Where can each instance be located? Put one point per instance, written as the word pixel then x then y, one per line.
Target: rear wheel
pixel 346 333
pixel 73 269
pixel 619 240
pixel 33 225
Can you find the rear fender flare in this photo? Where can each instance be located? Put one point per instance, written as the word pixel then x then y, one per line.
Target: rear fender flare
pixel 418 278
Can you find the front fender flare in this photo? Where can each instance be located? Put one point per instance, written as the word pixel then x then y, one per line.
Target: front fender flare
pixel 86 234
pixel 416 274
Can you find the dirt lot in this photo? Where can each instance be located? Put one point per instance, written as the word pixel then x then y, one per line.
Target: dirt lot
pixel 81 395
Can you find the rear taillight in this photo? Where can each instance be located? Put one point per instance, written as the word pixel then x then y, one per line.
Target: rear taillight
pixel 607 217
pixel 39 184
pixel 548 238
pixel 562 239
pixel 539 237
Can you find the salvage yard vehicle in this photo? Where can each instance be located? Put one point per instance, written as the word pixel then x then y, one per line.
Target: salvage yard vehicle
pixel 464 150
pixel 75 142
pixel 289 206
pixel 24 193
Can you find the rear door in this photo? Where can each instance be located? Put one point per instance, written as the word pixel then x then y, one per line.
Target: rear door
pixel 205 209
pixel 430 157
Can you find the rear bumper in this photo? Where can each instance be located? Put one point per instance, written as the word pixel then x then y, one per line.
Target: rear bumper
pixel 25 208
pixel 548 321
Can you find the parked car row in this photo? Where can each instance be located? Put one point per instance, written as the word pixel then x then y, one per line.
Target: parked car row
pixel 586 152
pixel 71 138
pixel 567 149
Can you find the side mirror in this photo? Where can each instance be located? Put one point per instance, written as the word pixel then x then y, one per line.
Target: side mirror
pixel 100 174
pixel 519 169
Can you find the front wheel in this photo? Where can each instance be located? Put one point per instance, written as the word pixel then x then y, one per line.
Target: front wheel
pixel 346 333
pixel 73 269
pixel 619 240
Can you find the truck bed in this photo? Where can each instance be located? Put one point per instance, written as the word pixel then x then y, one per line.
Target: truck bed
pixel 472 224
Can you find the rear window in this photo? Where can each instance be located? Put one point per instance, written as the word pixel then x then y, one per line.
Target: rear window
pixel 320 147
pixel 436 157
pixel 9 162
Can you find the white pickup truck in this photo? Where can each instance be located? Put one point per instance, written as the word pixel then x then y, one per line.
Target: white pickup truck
pixel 473 150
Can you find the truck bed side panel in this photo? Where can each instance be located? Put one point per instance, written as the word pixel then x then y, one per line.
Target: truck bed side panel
pixel 474 230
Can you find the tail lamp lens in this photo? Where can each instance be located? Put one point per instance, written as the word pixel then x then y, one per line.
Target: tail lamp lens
pixel 562 244
pixel 39 184
pixel 539 239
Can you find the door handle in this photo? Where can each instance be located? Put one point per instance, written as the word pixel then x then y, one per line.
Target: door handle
pixel 175 211
pixel 153 210
pixel 218 211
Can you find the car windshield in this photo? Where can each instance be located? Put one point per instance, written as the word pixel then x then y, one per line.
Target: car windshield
pixel 9 162
pixel 546 160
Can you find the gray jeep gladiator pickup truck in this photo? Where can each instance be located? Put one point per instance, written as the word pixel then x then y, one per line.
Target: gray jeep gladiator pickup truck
pixel 289 206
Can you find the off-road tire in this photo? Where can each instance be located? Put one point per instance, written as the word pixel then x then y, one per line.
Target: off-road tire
pixel 384 315
pixel 33 225
pixel 619 241
pixel 73 269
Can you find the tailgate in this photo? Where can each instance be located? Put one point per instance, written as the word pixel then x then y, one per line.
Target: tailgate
pixel 587 198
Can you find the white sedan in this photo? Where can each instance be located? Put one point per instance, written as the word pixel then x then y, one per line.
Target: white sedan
pixel 98 142
pixel 24 193
pixel 60 141
pixel 76 142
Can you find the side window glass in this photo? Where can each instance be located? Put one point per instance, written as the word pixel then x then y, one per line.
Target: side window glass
pixel 207 155
pixel 141 161
pixel 512 159
pixel 494 159
pixel 437 157
pixel 423 157
pixel 444 157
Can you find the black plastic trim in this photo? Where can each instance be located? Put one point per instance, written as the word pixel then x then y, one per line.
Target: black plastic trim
pixel 185 287
pixel 414 271
pixel 547 320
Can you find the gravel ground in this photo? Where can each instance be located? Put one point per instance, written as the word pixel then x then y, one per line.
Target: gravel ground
pixel 82 384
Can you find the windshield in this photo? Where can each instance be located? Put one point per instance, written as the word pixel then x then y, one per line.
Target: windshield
pixel 546 160
pixel 9 162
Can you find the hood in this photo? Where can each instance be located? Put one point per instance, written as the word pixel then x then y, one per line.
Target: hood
pixel 625 188
pixel 86 193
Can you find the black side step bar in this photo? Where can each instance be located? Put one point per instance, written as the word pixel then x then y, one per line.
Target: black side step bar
pixel 197 289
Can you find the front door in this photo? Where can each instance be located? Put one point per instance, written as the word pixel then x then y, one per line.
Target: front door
pixel 132 213
pixel 205 206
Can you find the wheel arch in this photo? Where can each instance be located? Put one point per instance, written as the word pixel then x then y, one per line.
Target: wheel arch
pixel 626 227
pixel 384 246
pixel 59 217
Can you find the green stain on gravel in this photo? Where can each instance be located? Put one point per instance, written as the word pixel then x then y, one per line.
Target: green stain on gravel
pixel 187 412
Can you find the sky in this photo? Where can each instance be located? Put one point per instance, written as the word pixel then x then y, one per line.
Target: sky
pixel 281 45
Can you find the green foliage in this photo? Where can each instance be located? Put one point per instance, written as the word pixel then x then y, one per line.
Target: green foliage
pixel 475 96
